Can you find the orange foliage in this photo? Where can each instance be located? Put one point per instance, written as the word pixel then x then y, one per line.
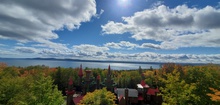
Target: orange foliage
pixel 215 96
pixel 2 65
pixel 169 67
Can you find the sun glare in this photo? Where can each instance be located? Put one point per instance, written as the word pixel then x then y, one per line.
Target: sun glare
pixel 123 3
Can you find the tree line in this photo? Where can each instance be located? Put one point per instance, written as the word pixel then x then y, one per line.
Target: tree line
pixel 178 84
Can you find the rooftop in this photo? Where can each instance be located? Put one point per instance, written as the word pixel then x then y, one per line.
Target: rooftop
pixel 131 92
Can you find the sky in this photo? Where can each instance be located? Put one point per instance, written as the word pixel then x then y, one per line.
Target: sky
pixel 179 31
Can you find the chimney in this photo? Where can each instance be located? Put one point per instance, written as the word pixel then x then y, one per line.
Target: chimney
pixel 87 81
pixel 88 72
pixel 98 82
pixel 126 96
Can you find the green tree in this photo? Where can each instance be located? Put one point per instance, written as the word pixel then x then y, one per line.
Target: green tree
pixel 176 91
pixel 9 88
pixel 99 97
pixel 29 90
pixel 203 77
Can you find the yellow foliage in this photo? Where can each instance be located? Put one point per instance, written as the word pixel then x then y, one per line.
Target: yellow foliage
pixel 149 73
pixel 99 97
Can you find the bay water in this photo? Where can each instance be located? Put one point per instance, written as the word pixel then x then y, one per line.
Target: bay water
pixel 75 64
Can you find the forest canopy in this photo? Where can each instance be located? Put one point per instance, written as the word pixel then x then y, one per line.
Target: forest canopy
pixel 178 84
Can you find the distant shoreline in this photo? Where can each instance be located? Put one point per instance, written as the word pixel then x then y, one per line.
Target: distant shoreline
pixel 103 61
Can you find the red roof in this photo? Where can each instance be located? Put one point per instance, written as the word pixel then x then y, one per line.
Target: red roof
pixel 98 77
pixel 157 90
pixel 119 99
pixel 80 71
pixel 152 91
pixel 140 97
pixel 77 99
pixel 143 84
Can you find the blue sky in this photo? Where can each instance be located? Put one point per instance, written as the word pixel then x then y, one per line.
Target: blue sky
pixel 127 30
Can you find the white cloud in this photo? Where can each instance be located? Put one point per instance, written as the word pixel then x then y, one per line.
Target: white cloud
pixel 150 45
pixel 121 45
pixel 114 28
pixel 156 57
pixel 86 51
pixel 113 45
pixel 158 3
pixel 172 27
pixel 26 49
pixel 35 20
pixel 57 53
pixel 99 15
pixel 89 48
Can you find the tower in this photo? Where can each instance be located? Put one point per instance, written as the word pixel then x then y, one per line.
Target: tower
pixel 98 82
pixel 70 93
pixel 154 81
pixel 80 74
pixel 109 71
pixel 87 81
pixel 140 70
pixel 109 81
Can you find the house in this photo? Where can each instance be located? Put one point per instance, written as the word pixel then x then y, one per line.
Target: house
pixel 130 96
pixel 148 95
pixel 153 98
pixel 142 95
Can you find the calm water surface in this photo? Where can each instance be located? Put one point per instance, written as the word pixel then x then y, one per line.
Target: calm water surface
pixel 74 64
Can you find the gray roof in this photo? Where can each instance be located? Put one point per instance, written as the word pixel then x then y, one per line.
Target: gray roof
pixel 131 92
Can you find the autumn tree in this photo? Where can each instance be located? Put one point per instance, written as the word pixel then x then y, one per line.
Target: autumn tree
pixel 99 97
pixel 177 91
pixel 215 96
pixel 149 77
pixel 203 77
pixel 31 89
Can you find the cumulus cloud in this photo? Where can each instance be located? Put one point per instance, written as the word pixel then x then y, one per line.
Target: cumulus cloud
pixel 150 45
pixel 121 45
pixel 93 52
pixel 26 49
pixel 156 57
pixel 89 48
pixel 56 53
pixel 86 50
pixel 168 25
pixel 36 20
